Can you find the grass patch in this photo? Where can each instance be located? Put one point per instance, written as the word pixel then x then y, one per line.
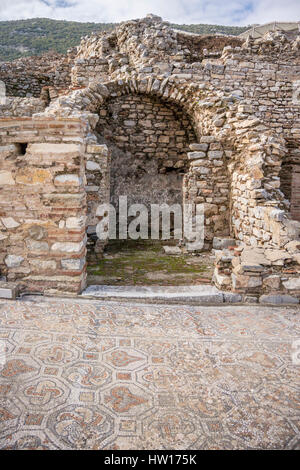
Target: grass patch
pixel 144 263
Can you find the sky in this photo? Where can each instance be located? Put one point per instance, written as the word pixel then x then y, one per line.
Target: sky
pixel 225 12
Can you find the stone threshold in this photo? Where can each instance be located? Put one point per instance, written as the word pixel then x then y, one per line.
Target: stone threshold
pixel 187 295
pixel 192 295
pixel 200 294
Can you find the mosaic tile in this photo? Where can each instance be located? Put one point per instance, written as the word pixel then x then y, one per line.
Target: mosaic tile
pixel 105 375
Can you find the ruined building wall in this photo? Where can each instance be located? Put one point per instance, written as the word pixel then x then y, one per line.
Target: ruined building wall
pixel 21 107
pixel 241 162
pixel 149 141
pixel 27 76
pixel 43 204
pixel 260 72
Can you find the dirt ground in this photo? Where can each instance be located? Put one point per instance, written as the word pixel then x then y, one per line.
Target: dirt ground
pixel 145 263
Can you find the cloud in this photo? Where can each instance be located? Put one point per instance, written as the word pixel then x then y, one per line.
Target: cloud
pixel 230 12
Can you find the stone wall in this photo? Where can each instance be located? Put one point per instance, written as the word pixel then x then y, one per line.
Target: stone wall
pixel 295 192
pixel 207 182
pixel 27 76
pixel 43 204
pixel 149 141
pixel 16 107
pixel 97 169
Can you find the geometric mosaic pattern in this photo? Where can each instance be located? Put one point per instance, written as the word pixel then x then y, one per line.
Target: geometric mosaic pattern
pixel 93 375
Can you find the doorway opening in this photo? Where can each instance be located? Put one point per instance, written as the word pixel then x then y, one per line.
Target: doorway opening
pixel 149 143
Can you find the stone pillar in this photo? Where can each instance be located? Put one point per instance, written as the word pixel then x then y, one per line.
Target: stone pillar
pixel 43 204
pixel 207 183
pixel 98 192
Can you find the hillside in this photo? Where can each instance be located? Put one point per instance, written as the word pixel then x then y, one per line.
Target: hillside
pixel 37 36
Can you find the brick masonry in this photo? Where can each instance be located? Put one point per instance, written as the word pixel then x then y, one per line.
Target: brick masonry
pixel 43 204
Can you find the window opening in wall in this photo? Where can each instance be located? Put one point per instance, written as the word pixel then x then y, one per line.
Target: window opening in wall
pixel 23 148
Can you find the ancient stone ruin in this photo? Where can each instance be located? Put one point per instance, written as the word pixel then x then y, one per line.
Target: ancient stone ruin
pixel 162 116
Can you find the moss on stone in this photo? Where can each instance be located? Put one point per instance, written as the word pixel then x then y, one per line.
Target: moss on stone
pixel 144 263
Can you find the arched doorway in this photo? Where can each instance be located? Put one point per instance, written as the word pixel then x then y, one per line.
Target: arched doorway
pixel 149 140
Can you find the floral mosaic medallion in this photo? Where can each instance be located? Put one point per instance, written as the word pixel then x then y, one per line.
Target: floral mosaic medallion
pixel 79 427
pixel 127 399
pixel 125 359
pixel 97 375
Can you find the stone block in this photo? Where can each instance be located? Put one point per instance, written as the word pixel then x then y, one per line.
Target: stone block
pixel 98 149
pixel 67 180
pixel 277 255
pixel 279 299
pixel 232 298
pixel 215 154
pixel 292 284
pixel 199 147
pixel 92 166
pixel 251 268
pixel 293 247
pixel 68 247
pixel 50 149
pixel 272 282
pixel 254 256
pixel 6 178
pixel 196 155
pixel 221 243
pixel 75 222
pixel 43 265
pixel 13 261
pixel 208 139
pixel 172 250
pixel 30 176
pixel 73 264
pixel 37 246
pixel 9 222
pixel 240 281
pixel 9 290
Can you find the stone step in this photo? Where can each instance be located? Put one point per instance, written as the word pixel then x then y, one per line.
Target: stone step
pixel 202 294
pixel 9 290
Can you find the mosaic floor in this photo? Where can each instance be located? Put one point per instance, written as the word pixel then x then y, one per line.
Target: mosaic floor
pixel 94 375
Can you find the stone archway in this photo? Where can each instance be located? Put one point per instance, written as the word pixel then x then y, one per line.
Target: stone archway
pixel 206 177
pixel 148 142
pixel 149 145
